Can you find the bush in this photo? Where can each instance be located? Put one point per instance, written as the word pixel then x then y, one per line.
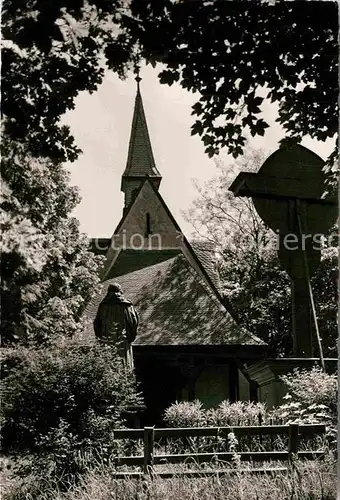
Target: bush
pixel 185 414
pixel 192 414
pixel 311 399
pixel 64 402
pixel 238 413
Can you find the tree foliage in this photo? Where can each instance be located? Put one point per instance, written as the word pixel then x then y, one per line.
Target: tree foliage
pixel 51 52
pixel 235 55
pixel 47 272
pixel 253 281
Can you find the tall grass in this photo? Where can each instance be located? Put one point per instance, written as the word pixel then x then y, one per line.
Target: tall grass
pixel 306 480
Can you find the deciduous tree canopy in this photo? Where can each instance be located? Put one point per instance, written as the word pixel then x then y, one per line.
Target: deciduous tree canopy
pixel 235 54
pixel 47 272
pixel 52 51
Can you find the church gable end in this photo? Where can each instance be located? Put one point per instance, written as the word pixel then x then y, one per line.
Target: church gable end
pixel 147 224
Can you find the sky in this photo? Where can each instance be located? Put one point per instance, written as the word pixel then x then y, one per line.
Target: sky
pixel 101 125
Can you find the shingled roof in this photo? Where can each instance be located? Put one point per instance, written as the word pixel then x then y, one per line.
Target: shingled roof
pixel 205 253
pixel 130 260
pixel 175 307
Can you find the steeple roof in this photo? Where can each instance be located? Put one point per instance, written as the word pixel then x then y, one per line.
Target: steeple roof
pixel 140 161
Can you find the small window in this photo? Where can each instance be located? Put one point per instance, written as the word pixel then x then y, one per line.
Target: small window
pixel 148 224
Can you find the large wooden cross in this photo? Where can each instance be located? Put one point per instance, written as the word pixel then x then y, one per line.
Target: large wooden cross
pixel 288 193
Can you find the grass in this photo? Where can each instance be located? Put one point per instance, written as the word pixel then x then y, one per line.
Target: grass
pixel 313 480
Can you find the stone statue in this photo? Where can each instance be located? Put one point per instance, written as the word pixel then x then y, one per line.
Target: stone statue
pixel 116 323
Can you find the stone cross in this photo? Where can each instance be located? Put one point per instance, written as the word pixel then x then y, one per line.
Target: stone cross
pixel 288 194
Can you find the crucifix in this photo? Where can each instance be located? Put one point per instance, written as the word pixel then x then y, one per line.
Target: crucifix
pixel 288 193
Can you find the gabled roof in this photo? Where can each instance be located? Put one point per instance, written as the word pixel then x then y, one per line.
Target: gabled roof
pixel 205 253
pixel 140 161
pixel 176 307
pixel 197 250
pixel 130 260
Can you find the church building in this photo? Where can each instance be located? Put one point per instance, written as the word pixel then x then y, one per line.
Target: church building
pixel 188 344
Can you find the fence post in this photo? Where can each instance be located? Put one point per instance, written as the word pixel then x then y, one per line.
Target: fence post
pixel 260 423
pixel 149 434
pixel 293 440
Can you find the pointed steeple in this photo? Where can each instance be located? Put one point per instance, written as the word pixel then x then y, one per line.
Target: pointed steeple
pixel 140 162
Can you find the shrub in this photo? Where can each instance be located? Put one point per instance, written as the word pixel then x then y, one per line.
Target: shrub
pixel 63 402
pixel 192 414
pixel 238 413
pixel 311 399
pixel 185 414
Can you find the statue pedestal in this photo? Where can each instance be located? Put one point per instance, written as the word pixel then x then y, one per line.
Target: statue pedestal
pixel 133 415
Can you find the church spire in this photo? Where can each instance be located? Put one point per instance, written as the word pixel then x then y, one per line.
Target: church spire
pixel 140 162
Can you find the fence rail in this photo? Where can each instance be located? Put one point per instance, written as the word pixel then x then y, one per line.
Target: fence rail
pixel 148 460
pixel 172 432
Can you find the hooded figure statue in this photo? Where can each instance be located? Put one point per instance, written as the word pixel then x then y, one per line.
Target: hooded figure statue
pixel 116 323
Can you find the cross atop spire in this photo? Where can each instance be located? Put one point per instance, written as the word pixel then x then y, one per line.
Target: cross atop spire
pixel 140 162
pixel 137 73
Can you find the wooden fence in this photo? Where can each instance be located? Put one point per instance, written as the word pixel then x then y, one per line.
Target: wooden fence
pixel 294 432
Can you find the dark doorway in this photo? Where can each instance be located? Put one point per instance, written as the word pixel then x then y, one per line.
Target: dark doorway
pixel 161 384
